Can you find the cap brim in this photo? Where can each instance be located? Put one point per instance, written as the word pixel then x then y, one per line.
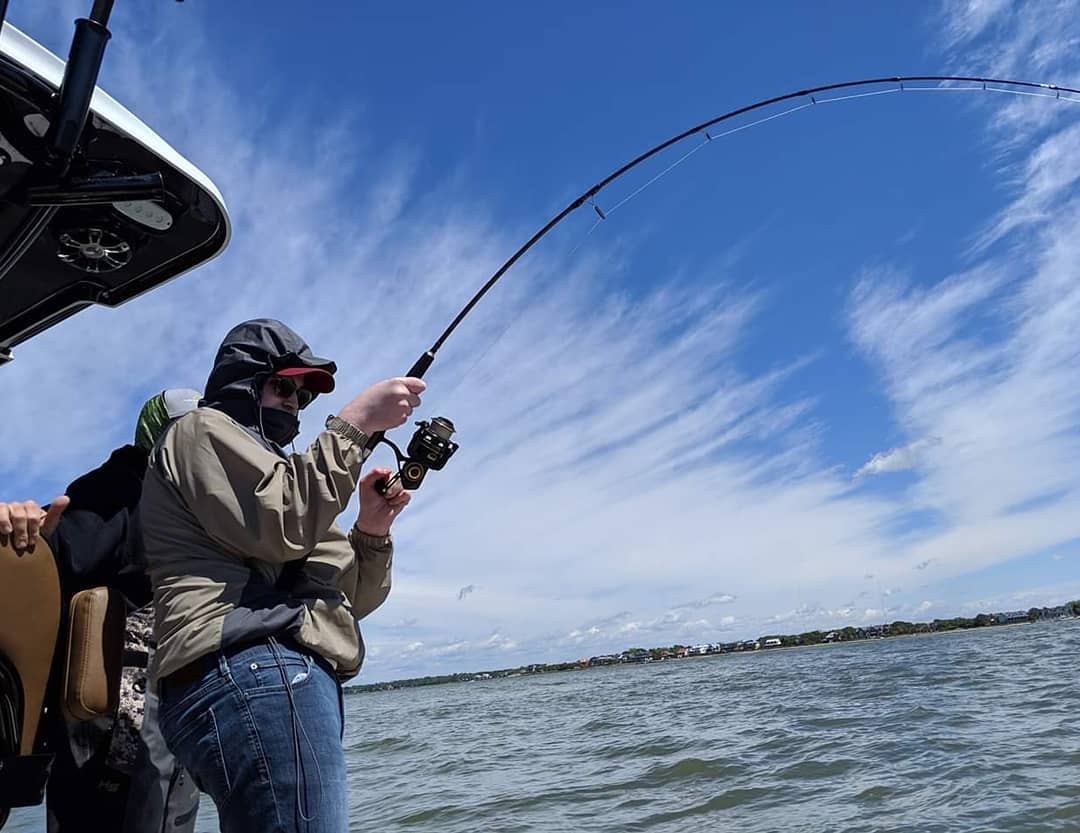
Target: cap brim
pixel 315 380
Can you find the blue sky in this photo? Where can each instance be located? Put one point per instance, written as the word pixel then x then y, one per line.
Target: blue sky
pixel 826 366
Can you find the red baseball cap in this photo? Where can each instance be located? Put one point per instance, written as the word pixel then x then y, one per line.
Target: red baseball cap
pixel 315 379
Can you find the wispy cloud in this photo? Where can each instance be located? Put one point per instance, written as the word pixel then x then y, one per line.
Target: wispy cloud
pixel 967 19
pixel 709 601
pixel 1048 178
pixel 897 459
pixel 1028 39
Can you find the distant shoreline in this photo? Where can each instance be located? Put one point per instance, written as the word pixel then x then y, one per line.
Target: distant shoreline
pixel 809 639
pixel 874 639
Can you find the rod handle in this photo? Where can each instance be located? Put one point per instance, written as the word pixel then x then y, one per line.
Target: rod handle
pixel 419 368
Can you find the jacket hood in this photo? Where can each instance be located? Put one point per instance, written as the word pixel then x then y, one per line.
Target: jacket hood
pixel 249 353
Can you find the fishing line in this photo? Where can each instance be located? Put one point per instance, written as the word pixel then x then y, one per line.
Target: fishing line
pixel 815 100
pixel 588 234
pixel 604 213
pixel 513 319
pixel 656 178
pixel 896 84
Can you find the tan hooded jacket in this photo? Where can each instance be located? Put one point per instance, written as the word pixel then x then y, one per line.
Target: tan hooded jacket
pixel 241 542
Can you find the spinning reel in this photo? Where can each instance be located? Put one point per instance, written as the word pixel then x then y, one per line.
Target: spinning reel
pixel 428 450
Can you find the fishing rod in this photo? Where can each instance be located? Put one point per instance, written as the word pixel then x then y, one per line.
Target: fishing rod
pixel 431 446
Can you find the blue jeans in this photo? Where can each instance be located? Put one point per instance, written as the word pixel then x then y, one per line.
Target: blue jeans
pixel 261 733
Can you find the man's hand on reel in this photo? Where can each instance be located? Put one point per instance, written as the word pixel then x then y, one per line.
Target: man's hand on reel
pixel 378 511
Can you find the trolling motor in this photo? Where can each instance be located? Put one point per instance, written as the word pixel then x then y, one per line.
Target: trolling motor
pixel 429 450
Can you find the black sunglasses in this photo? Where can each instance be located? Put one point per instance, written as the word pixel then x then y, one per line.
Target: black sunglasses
pixel 284 386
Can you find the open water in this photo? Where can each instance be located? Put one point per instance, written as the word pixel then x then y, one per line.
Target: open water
pixel 972 731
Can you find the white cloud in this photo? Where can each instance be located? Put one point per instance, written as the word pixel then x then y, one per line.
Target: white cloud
pixel 709 601
pixel 967 19
pixel 1008 405
pixel 457 647
pixel 404 624
pixel 1026 39
pixel 497 640
pixel 897 459
pixel 1048 177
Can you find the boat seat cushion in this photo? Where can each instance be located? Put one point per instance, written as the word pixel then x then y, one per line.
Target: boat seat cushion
pixel 95 652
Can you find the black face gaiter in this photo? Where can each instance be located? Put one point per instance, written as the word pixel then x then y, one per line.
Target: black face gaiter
pixel 279 426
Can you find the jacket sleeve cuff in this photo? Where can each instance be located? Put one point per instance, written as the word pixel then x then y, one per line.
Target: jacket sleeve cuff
pixel 367 546
pixel 350 433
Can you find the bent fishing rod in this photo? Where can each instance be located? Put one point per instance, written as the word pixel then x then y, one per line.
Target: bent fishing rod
pixel 431 446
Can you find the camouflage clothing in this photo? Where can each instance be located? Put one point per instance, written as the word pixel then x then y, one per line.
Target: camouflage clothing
pixel 125 743
pixel 118 769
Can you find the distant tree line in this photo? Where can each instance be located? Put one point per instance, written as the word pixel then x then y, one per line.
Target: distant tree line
pixel 786 640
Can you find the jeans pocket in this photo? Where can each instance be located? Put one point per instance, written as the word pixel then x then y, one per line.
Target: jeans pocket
pixel 268 670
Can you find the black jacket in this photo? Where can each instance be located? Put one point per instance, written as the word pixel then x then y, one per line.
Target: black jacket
pixel 98 541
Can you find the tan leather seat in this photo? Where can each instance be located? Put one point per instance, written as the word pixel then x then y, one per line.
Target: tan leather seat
pixel 29 623
pixel 92 654
pixel 95 654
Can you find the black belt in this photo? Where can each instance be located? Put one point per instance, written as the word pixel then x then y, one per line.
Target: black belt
pixel 199 667
pixel 190 673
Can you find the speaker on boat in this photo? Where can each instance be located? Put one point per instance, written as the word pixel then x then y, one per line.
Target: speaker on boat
pixel 93 249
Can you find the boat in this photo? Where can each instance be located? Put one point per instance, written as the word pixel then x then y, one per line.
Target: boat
pixel 95 209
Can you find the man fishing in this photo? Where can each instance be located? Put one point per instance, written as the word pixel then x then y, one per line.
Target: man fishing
pixel 257 592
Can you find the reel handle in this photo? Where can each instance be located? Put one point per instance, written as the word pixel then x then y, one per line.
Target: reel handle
pixel 382 485
pixel 419 368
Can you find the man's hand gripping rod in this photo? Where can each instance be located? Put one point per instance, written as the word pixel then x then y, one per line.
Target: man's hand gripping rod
pixel 407 467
